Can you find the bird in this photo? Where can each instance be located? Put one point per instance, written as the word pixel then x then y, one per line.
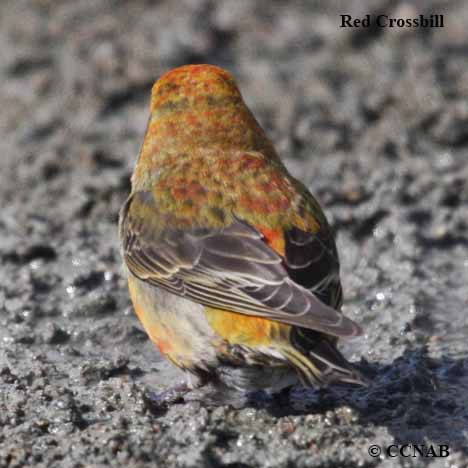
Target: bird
pixel 231 264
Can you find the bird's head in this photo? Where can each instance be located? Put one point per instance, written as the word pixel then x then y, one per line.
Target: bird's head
pixel 194 87
pixel 197 109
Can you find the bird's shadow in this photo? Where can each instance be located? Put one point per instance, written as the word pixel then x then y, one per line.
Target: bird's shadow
pixel 417 398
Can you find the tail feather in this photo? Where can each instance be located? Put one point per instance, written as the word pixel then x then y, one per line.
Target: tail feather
pixel 317 360
pixel 308 374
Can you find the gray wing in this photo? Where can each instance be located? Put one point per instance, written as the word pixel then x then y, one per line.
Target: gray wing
pixel 232 269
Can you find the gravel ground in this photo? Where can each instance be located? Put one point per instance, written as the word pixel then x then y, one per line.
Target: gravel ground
pixel 375 121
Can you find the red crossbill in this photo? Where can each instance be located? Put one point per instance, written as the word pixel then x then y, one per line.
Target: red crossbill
pixel 232 267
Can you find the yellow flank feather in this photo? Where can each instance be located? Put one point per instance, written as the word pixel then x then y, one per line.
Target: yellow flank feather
pixel 246 330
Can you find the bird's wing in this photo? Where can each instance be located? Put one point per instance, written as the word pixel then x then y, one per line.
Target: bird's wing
pixel 232 268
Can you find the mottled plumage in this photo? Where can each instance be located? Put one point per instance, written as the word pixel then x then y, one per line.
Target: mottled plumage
pixel 232 266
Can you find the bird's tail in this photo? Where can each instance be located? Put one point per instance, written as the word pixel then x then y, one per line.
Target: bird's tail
pixel 317 360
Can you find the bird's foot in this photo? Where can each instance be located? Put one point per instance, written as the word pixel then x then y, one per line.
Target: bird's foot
pixel 168 397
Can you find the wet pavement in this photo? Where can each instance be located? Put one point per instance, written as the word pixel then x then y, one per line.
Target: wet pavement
pixel 375 121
